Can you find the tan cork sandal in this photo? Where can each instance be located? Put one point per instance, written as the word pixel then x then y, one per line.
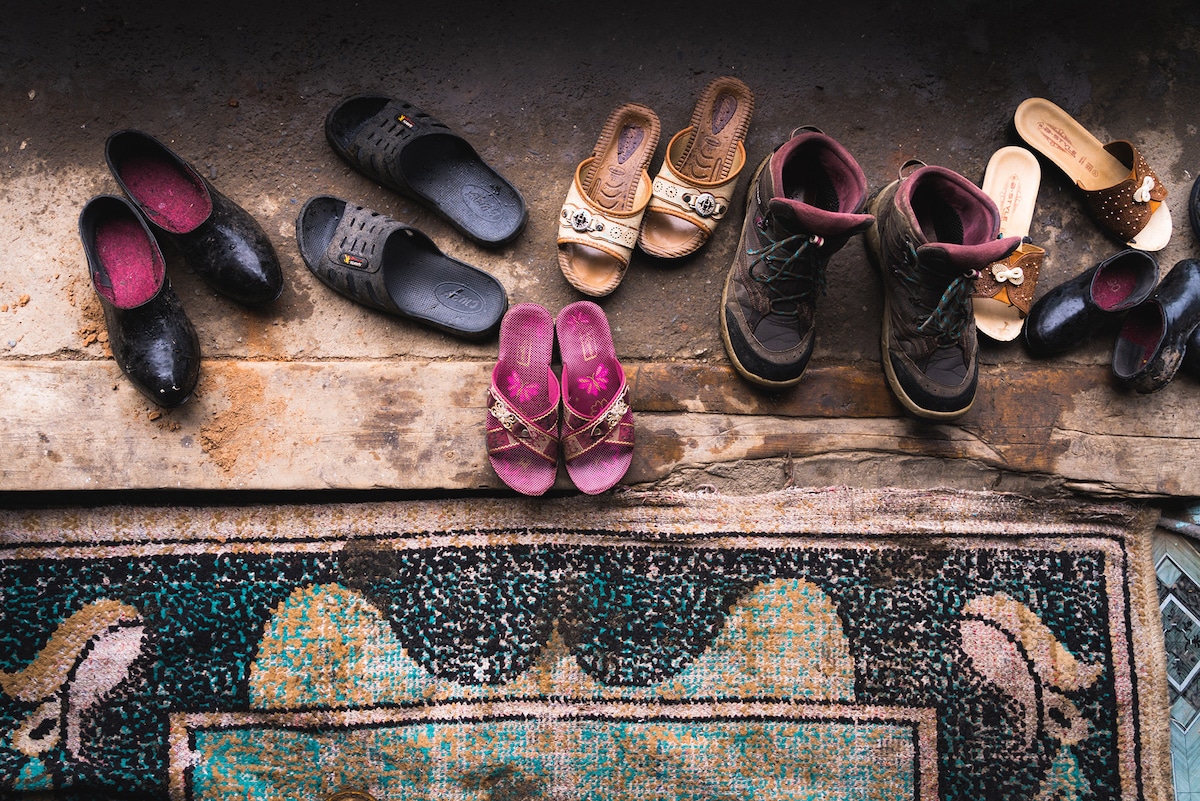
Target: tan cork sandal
pixel 1004 290
pixel 693 190
pixel 1123 194
pixel 599 224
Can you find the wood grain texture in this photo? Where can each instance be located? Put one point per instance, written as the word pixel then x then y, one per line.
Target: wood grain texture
pixel 419 425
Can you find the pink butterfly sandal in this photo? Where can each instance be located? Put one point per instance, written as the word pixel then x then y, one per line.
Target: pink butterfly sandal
pixel 597 425
pixel 522 417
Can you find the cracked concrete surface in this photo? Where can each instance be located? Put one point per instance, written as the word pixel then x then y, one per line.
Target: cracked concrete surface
pixel 241 91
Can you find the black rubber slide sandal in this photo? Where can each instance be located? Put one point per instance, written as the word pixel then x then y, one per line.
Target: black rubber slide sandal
pixel 382 263
pixel 1194 208
pixel 405 149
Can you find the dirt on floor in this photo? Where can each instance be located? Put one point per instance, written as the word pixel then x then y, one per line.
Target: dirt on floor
pixel 241 91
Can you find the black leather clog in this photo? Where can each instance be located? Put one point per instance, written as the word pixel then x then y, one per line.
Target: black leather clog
pixel 1073 311
pixel 218 238
pixel 1194 208
pixel 1191 357
pixel 151 338
pixel 1153 338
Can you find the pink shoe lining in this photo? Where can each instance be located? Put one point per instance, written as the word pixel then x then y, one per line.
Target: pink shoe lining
pixel 132 262
pixel 174 199
pixel 1144 328
pixel 1113 287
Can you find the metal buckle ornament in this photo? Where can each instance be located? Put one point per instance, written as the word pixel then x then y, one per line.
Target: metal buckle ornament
pixel 507 418
pixel 581 220
pixel 704 204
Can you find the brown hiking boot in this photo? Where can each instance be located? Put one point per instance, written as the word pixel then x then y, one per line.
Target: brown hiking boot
pixel 805 202
pixel 934 231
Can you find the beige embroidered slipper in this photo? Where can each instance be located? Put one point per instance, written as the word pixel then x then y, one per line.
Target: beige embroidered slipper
pixel 599 223
pixel 1123 194
pixel 693 189
pixel 1004 290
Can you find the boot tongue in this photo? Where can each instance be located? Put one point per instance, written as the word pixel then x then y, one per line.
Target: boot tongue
pixel 948 258
pixel 798 217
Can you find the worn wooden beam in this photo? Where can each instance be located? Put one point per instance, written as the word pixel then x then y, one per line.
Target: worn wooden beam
pixel 71 425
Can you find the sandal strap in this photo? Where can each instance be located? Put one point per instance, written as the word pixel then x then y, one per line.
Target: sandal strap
pixel 353 261
pixel 1125 208
pixel 1017 275
pixel 701 203
pixel 613 425
pixel 507 428
pixel 583 222
pixel 376 148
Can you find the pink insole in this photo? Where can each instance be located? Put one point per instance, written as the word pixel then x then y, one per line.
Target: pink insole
pixel 171 197
pixel 1112 287
pixel 522 368
pixel 131 261
pixel 591 372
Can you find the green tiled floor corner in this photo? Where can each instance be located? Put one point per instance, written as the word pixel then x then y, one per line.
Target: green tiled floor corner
pixel 1177 564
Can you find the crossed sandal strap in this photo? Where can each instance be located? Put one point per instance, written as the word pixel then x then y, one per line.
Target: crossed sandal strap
pixel 701 203
pixel 376 147
pixel 507 429
pixel 1017 276
pixel 1125 208
pixel 583 222
pixel 613 425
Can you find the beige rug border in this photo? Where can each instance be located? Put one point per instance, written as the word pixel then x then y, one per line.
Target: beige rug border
pixel 651 515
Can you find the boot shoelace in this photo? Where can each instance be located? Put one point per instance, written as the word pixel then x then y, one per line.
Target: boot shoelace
pixel 949 317
pixel 784 284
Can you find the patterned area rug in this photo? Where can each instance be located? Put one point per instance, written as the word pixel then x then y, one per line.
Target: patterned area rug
pixel 832 644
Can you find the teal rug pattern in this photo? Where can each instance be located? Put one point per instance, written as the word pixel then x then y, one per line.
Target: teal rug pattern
pixel 832 644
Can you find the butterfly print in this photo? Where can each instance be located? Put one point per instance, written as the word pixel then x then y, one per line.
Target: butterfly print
pixel 595 383
pixel 521 392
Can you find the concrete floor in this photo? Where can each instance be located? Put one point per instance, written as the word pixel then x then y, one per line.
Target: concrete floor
pixel 241 91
